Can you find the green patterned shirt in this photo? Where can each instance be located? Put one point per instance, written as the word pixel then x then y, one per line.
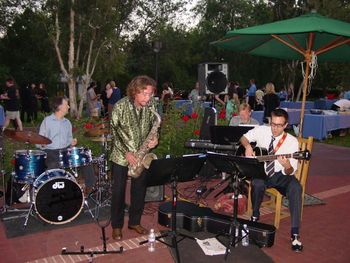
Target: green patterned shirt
pixel 129 127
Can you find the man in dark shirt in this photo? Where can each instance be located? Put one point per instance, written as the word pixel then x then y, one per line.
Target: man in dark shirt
pixel 12 104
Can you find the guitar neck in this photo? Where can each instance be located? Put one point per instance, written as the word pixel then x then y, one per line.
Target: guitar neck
pixel 265 158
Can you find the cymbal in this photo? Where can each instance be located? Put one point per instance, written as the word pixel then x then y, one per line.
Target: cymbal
pixel 95 132
pixel 101 139
pixel 27 136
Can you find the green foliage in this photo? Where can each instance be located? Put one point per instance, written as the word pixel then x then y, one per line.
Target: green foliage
pixel 176 129
pixel 26 51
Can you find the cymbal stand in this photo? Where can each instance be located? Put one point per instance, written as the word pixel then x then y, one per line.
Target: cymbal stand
pixel 101 195
pixel 5 208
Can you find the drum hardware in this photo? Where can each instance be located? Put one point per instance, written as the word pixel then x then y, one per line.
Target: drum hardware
pixel 98 198
pixel 101 194
pixel 5 208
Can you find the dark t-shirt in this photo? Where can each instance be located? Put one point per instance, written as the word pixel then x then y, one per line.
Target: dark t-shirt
pixel 115 96
pixel 271 102
pixel 12 103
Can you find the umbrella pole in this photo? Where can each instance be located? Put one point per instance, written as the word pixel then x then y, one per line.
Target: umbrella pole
pixel 306 82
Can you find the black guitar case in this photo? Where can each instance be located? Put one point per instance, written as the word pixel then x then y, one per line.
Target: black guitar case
pixel 193 218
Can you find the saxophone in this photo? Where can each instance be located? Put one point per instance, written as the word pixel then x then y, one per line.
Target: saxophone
pixel 143 157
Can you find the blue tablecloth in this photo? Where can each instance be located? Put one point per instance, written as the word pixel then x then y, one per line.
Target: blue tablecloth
pixel 293 114
pixel 2 116
pixel 319 126
pixel 324 104
pixel 296 105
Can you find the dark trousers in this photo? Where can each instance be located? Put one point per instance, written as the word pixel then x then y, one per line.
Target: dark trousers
pixel 137 196
pixel 287 185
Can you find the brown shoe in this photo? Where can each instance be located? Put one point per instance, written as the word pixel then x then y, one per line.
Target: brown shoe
pixel 139 229
pixel 117 234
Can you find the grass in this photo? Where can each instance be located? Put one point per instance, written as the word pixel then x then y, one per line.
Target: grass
pixel 340 141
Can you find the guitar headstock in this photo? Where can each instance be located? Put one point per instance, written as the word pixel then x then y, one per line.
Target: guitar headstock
pixel 303 155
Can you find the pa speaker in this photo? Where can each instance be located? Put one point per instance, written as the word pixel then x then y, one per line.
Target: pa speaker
pixel 155 193
pixel 213 78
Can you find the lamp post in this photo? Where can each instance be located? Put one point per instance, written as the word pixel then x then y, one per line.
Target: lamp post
pixel 157 45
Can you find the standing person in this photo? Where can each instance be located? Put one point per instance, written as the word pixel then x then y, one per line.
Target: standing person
pixel 113 95
pixel 240 92
pixel 232 106
pixel 92 100
pixel 25 93
pixel 194 96
pixel 244 117
pixel 166 96
pixel 271 101
pixel 251 94
pixel 131 122
pixel 280 173
pixel 105 99
pixel 44 98
pixel 259 102
pixel 33 106
pixel 12 105
pixel 59 130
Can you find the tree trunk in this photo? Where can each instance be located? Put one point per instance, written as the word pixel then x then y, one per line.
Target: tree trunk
pixel 72 97
pixel 86 82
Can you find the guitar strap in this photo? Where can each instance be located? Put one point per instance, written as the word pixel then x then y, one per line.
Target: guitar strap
pixel 280 142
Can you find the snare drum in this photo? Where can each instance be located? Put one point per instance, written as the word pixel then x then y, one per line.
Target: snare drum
pixel 29 164
pixel 58 199
pixel 75 157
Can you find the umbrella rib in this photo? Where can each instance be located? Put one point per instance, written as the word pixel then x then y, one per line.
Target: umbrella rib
pixel 295 43
pixel 224 40
pixel 288 44
pixel 335 43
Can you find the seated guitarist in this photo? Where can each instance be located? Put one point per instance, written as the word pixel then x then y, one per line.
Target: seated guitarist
pixel 280 173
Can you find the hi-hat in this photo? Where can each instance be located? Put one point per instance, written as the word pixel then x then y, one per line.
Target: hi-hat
pixel 95 132
pixel 27 137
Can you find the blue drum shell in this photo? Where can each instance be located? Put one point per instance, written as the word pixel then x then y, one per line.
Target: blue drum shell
pixel 29 164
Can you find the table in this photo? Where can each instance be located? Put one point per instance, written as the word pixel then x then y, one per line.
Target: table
pixel 319 126
pixel 296 104
pixel 293 114
pixel 324 104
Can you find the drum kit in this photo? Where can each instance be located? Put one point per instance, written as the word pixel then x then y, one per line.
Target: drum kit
pixel 55 195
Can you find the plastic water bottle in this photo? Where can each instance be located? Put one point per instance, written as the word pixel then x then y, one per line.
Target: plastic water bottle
pixel 245 236
pixel 151 241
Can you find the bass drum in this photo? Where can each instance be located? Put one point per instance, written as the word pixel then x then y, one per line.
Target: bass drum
pixel 58 199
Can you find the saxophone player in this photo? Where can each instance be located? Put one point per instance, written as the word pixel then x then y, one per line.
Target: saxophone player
pixel 131 122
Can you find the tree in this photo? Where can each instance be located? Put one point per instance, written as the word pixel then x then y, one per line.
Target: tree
pixel 81 30
pixel 26 51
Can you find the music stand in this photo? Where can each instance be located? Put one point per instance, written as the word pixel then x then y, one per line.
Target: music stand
pixel 239 168
pixel 173 170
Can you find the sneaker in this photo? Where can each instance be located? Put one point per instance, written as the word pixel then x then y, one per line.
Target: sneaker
pixel 296 243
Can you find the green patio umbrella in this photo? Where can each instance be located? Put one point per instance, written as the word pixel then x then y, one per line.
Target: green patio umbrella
pixel 309 38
